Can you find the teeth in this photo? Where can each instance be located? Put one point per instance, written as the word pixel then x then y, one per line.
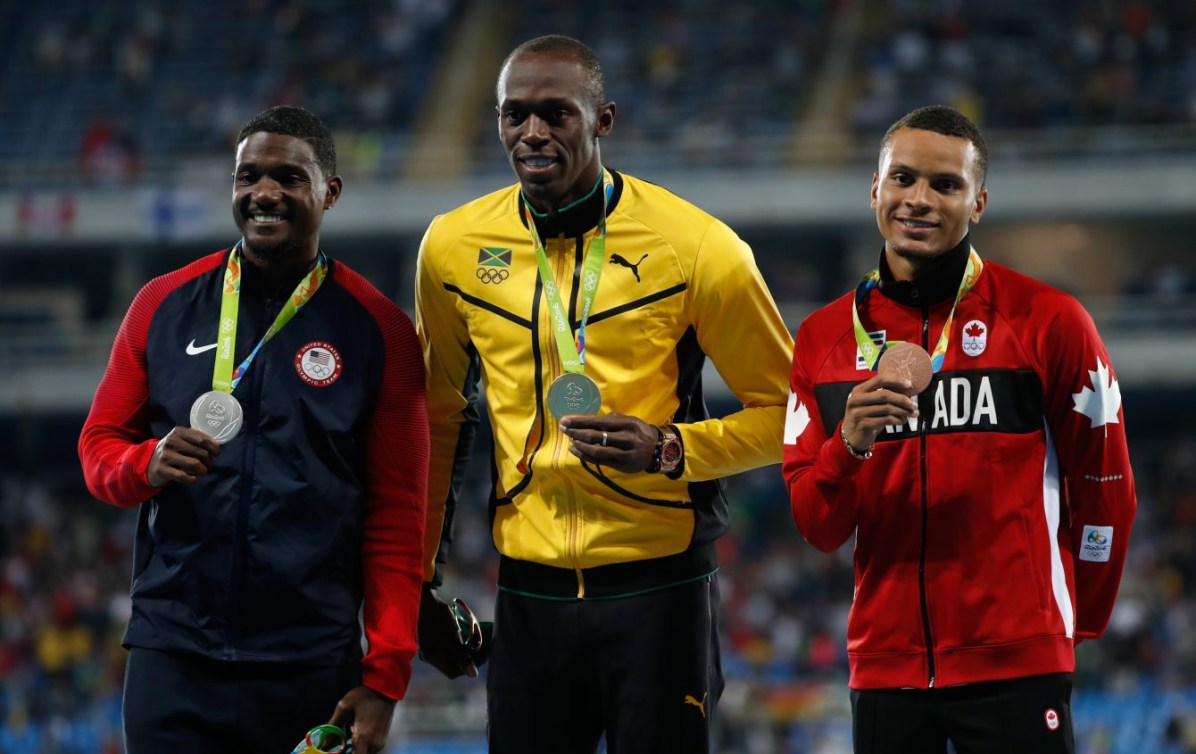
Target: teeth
pixel 259 218
pixel 916 224
pixel 538 162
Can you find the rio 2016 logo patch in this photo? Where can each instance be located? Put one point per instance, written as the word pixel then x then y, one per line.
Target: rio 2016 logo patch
pixel 1096 544
pixel 318 363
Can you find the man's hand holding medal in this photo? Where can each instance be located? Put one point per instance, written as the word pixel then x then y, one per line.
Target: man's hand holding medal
pixel 182 456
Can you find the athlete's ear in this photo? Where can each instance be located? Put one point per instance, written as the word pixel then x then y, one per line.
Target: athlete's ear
pixel 332 192
pixel 605 120
pixel 978 205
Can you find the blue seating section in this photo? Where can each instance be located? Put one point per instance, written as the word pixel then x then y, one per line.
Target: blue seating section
pixel 168 81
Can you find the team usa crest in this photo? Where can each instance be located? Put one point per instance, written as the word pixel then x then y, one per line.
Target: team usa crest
pixel 318 363
pixel 975 338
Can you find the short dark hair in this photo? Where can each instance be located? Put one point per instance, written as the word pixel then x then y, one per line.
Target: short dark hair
pixel 568 47
pixel 289 120
pixel 946 121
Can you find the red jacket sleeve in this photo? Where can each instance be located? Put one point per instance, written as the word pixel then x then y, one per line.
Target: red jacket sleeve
pixel 396 474
pixel 819 471
pixel 115 445
pixel 1088 430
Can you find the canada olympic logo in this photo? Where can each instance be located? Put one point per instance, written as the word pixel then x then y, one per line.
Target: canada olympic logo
pixel 1051 718
pixel 318 363
pixel 492 275
pixel 975 338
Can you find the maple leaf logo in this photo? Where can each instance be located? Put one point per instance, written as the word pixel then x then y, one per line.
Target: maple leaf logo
pixel 975 330
pixel 1101 404
pixel 797 418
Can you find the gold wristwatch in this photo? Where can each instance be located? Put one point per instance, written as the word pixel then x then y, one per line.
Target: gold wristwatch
pixel 669 451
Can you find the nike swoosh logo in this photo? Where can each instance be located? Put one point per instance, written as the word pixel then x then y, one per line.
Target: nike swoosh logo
pixel 193 349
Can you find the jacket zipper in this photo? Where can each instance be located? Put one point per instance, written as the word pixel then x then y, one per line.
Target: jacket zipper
pixel 925 517
pixel 573 531
pixel 248 461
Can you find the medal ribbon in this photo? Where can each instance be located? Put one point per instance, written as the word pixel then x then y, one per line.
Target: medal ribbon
pixel 319 738
pixel 872 352
pixel 572 352
pixel 224 377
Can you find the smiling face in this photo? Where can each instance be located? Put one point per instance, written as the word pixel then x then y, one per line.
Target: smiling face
pixel 550 124
pixel 279 197
pixel 926 195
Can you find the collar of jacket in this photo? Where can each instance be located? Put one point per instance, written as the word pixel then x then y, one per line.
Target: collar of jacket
pixel 939 284
pixel 253 282
pixel 578 219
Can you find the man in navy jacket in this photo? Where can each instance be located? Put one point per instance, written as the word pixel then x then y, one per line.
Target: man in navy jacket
pixel 264 410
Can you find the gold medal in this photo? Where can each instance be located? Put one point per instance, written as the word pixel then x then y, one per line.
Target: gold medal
pixel 573 393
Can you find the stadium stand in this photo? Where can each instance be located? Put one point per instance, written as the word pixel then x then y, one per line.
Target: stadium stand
pixel 114 88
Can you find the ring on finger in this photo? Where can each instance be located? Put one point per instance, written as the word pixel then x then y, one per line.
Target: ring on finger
pixel 604 437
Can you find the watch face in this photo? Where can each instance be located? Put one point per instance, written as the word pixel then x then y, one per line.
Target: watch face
pixel 670 453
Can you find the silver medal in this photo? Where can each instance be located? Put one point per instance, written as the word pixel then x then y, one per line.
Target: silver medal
pixel 218 414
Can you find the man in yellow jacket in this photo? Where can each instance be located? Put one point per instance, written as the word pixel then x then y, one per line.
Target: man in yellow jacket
pixel 587 301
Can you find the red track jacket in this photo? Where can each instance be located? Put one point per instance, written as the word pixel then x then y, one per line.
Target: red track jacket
pixel 992 531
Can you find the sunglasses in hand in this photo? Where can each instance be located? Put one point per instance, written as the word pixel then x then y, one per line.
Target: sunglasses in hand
pixel 473 634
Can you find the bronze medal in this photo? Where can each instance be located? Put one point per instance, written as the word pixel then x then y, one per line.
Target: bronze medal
pixel 907 361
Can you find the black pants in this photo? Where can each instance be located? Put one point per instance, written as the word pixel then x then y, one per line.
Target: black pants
pixel 185 704
pixel 643 669
pixel 1020 716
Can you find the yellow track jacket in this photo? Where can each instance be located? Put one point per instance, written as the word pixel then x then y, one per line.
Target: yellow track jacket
pixel 677 286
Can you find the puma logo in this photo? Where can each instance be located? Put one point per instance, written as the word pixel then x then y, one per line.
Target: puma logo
pixel 690 699
pixel 635 268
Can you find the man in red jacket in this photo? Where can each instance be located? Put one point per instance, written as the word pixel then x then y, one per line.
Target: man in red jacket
pixel 964 422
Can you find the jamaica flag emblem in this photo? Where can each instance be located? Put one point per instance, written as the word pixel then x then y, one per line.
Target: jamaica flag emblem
pixel 493 264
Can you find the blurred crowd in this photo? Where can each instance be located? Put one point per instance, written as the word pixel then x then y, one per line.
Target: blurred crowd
pixel 700 82
pixel 66 564
pixel 117 86
pixel 64 584
pixel 1033 65
pixel 107 87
